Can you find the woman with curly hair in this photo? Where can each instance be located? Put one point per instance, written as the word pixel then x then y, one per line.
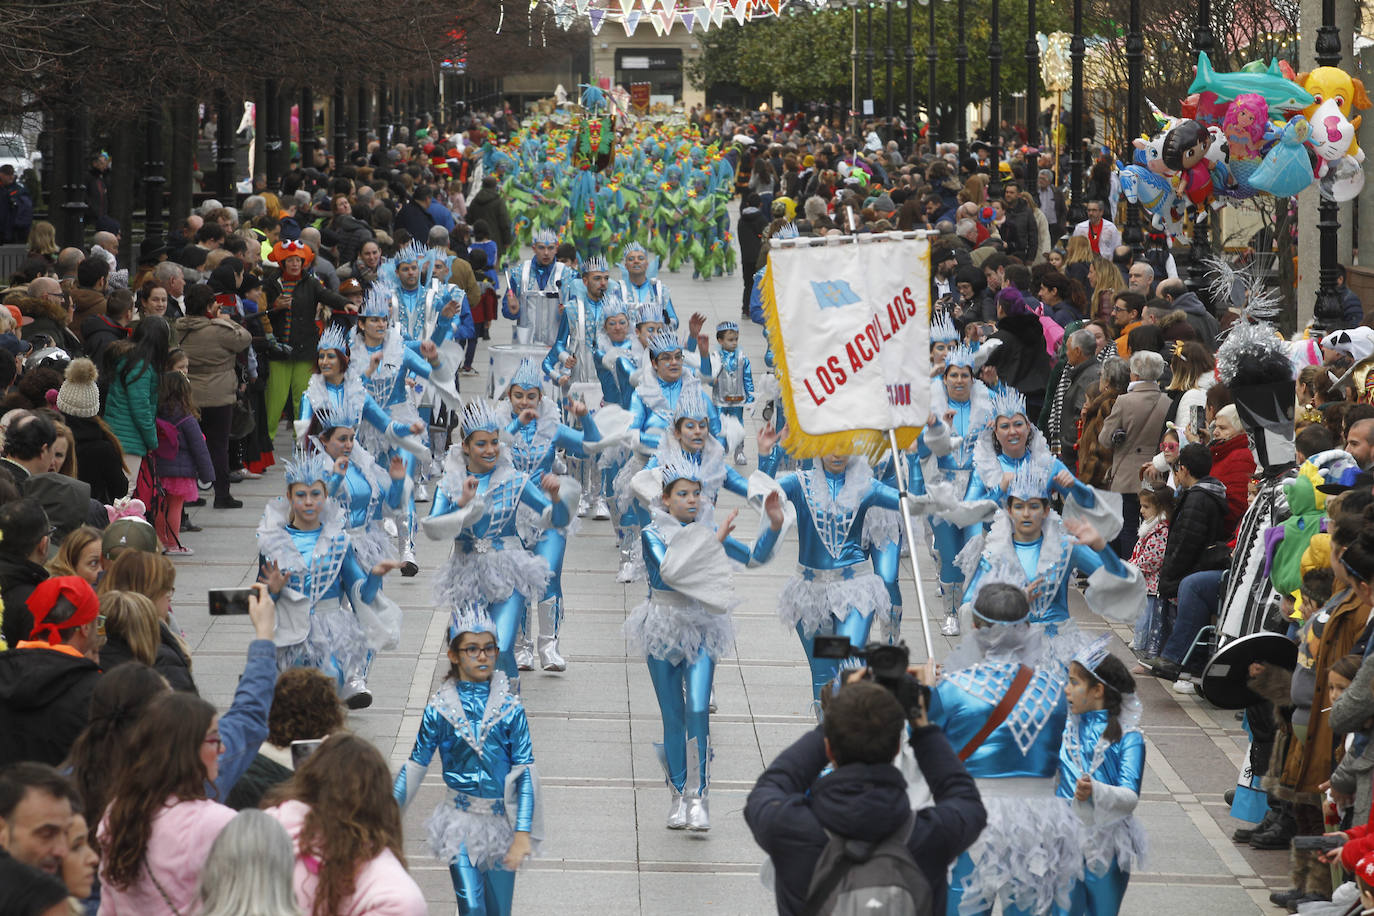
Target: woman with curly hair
pixel 305 707
pixel 157 831
pixel 345 827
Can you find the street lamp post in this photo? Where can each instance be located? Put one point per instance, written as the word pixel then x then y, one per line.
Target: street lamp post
pixel 995 94
pixel 307 128
pixel 1077 49
pixel 272 100
pixel 1201 247
pixel 1327 312
pixel 153 179
pixel 868 56
pixel 1032 94
pixel 961 97
pixel 932 57
pixel 910 55
pixel 1135 88
pixel 888 55
pixel 364 117
pixel 224 143
pixel 854 71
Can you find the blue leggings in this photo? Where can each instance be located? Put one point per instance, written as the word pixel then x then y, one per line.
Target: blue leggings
pixel 683 690
pixel 823 670
pixel 1097 896
pixel 551 546
pixel 887 564
pixel 963 867
pixel 481 893
pixel 949 540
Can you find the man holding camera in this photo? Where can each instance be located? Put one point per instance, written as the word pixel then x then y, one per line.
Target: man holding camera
pixel 792 812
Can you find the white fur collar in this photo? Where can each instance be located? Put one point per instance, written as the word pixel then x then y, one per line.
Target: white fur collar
pixel 456 471
pixel 985 455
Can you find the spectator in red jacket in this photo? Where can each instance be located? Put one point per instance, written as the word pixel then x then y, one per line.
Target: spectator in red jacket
pixel 1232 464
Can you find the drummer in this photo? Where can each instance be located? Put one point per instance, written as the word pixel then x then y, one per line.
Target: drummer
pixel 532 292
pixel 639 284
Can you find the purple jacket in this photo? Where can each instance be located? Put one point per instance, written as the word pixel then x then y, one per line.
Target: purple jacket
pixel 193 457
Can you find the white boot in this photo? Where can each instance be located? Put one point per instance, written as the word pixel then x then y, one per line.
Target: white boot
pixel 952 592
pixel 524 651
pixel 677 802
pixel 698 816
pixel 354 693
pixel 601 510
pixel 550 617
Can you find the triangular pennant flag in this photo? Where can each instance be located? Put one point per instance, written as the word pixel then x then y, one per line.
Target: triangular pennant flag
pixel 626 6
pixel 631 21
pixel 741 10
pixel 666 17
pixel 718 15
pixel 705 24
pixel 582 6
pixel 598 16
pixel 657 24
pixel 775 6
pixel 686 20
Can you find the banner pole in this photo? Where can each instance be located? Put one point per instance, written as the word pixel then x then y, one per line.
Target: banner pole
pixel 899 467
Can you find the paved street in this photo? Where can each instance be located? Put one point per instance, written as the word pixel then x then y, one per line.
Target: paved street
pixel 607 849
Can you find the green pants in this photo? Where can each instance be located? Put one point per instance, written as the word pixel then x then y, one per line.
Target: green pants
pixel 285 380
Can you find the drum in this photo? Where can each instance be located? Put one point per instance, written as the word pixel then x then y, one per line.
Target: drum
pixel 537 322
pixel 730 385
pixel 505 361
pixel 1224 679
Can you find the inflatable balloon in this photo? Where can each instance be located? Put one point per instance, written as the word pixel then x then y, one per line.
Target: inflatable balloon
pixel 1279 92
pixel 1332 83
pixel 1343 181
pixel 1287 167
pixel 1332 134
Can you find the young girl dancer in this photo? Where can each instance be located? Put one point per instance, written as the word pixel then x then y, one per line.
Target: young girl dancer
pixel 494 819
pixel 476 505
pixel 1101 764
pixel 684 626
pixel 310 568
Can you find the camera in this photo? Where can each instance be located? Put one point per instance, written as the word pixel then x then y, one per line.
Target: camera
pixel 886 667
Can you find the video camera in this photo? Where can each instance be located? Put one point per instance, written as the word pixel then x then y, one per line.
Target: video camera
pixel 886 667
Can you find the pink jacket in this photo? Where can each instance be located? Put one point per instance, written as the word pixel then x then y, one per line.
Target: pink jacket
pixel 382 887
pixel 177 849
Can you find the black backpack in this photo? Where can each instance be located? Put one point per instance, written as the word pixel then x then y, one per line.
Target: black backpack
pixel 857 878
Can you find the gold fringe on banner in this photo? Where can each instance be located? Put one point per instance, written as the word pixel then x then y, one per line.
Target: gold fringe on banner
pixel 870 443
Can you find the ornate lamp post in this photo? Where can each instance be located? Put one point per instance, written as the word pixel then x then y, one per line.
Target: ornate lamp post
pixel 1135 87
pixel 1077 48
pixel 1202 244
pixel 888 55
pixel 1327 313
pixel 910 55
pixel 932 56
pixel 1032 87
pixel 961 98
pixel 995 94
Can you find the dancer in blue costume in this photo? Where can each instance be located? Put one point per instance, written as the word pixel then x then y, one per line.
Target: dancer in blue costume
pixel 1029 855
pixel 684 626
pixel 833 592
pixel 1031 546
pixel 494 818
pixel 310 567
pixel 733 381
pixel 572 364
pixel 333 385
pixel 476 506
pixel 651 413
pixel 536 437
pixel 420 293
pixel 962 410
pixel 616 355
pixel 639 283
pixel 533 292
pixel 385 362
pixel 1101 766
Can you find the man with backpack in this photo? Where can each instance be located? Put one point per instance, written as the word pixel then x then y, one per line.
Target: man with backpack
pixel 850 838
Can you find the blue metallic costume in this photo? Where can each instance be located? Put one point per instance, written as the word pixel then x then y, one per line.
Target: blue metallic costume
pixel 1029 854
pixel 533 448
pixel 1115 844
pixel 651 291
pixel 832 593
pixel 490 568
pixel 732 382
pixel 483 739
pixel 683 628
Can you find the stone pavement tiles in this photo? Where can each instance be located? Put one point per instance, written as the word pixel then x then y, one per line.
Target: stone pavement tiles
pixel 607 850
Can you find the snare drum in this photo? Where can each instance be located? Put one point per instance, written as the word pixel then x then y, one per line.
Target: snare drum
pixel 505 362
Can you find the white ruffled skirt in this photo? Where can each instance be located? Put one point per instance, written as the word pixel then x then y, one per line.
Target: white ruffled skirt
pixel 1030 853
pixel 490 577
pixel 335 639
pixel 811 602
pixel 486 836
pixel 372 544
pixel 677 629
pixel 1123 842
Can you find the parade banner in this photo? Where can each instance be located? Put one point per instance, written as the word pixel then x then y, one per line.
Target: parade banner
pixel 850 330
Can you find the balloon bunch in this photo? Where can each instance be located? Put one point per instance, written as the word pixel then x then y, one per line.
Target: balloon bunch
pixel 1263 130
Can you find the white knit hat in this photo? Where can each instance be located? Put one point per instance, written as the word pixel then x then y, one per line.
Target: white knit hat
pixel 79 396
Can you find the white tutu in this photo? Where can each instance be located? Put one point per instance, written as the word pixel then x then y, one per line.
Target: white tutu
pixel 811 602
pixel 335 639
pixel 487 578
pixel 881 527
pixel 486 836
pixel 676 629
pixel 372 544
pixel 1123 842
pixel 1030 854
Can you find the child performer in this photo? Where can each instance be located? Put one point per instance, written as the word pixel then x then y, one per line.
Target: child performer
pixel 1101 763
pixel 476 506
pixel 536 436
pixel 309 565
pixel 478 726
pixel 734 380
pixel 684 626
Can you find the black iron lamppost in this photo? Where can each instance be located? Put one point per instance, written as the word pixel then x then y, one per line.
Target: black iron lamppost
pixel 153 179
pixel 1201 248
pixel 1135 86
pixel 1327 313
pixel 868 56
pixel 932 56
pixel 1032 88
pixel 995 94
pixel 961 98
pixel 224 143
pixel 1077 49
pixel 274 141
pixel 888 55
pixel 910 55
